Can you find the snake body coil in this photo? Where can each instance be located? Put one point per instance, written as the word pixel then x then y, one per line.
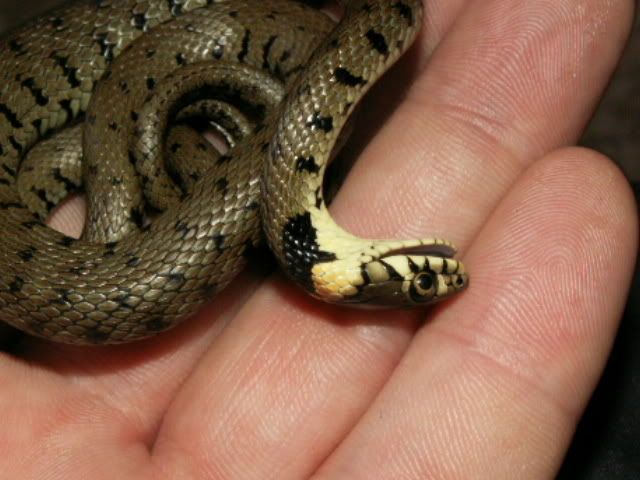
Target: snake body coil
pixel 169 218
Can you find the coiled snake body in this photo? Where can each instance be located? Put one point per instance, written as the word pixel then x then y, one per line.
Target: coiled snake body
pixel 170 219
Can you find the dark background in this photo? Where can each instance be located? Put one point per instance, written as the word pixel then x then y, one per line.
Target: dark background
pixel 607 443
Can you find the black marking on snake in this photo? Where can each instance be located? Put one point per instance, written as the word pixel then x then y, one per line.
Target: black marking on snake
pixel 70 72
pixel 150 52
pixel 270 16
pixel 218 241
pixel 106 47
pixel 109 249
pixel 233 14
pixel 4 181
pixel 301 249
pixel 307 164
pixel 182 228
pixel 181 59
pixel 30 224
pixel 57 22
pixel 134 115
pixel 405 11
pixel 393 273
pixel 124 86
pixel 151 83
pixel 366 8
pixel 133 262
pixel 226 158
pixel 318 195
pixel 175 7
pixel 116 181
pixel 66 106
pixel 245 46
pixel 377 41
pixel 42 195
pixel 222 184
pixel 16 47
pixel 93 170
pixel 218 50
pixel 66 241
pixel 264 147
pixel 137 217
pixel 16 285
pixel 38 96
pixel 10 115
pixel 37 124
pixel 266 48
pixel 27 254
pixel 63 296
pixel 113 126
pixel 345 77
pixel 413 266
pixel 176 280
pixel 175 147
pixel 319 122
pixel 17 146
pixel 69 185
pixel 284 56
pixel 10 171
pixel 8 205
pixel 139 21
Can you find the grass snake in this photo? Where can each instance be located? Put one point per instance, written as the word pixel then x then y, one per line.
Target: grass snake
pixel 110 96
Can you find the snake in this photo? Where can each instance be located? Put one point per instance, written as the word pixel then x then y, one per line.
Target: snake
pixel 114 98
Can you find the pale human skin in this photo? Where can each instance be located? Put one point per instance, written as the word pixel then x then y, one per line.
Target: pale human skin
pixel 267 383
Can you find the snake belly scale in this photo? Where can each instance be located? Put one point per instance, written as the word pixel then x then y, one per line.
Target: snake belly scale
pixel 105 96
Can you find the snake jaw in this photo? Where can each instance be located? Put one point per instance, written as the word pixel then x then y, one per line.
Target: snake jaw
pixel 388 274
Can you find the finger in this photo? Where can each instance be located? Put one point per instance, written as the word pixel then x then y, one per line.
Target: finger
pixel 304 373
pixel 510 82
pixel 495 386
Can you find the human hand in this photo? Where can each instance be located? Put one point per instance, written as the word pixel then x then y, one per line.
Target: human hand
pixel 491 386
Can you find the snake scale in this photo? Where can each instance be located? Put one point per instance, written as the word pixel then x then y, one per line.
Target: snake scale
pixel 111 97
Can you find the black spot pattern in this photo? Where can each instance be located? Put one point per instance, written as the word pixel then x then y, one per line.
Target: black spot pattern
pixel 16 285
pixel 265 51
pixel 39 97
pixel 378 42
pixel 139 21
pixel 301 249
pixel 307 164
pixel 10 115
pixel 27 254
pixel 321 123
pixel 70 72
pixel 345 77
pixel 405 11
pixel 69 185
pixel 245 46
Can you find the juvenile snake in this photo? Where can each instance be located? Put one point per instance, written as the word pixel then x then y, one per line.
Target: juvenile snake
pixel 169 219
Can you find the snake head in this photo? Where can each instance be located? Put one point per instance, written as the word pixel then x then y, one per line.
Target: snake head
pixel 395 274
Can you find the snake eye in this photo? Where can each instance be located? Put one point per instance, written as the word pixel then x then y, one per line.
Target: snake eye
pixel 423 287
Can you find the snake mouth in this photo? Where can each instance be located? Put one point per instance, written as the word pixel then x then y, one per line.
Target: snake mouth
pixel 441 250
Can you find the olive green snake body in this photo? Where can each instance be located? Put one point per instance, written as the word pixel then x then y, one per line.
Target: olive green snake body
pixel 105 96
